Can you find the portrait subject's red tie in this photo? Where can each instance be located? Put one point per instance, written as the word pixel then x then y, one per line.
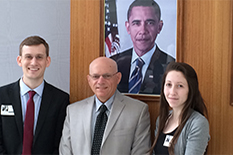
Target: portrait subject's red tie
pixel 28 125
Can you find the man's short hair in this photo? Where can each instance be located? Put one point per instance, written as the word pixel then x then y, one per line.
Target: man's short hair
pixel 150 3
pixel 33 40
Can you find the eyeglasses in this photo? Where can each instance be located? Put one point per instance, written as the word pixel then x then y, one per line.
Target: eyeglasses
pixel 105 76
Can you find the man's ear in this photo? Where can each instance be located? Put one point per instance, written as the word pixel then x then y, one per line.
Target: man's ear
pixel 119 75
pixel 48 59
pixel 18 59
pixel 160 26
pixel 127 27
pixel 88 78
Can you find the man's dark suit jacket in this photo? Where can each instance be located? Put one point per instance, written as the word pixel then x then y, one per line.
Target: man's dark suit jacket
pixel 49 125
pixel 153 76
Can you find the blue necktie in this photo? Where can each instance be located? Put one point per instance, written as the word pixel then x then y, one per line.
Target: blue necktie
pixel 100 124
pixel 136 77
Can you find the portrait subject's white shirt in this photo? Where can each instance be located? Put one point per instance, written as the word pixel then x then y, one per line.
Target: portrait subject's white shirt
pixel 146 58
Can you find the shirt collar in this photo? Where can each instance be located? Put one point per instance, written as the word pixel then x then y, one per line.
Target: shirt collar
pixel 146 57
pixel 108 103
pixel 24 88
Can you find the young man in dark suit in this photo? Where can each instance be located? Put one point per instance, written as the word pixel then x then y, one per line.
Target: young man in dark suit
pixel 35 127
pixel 143 25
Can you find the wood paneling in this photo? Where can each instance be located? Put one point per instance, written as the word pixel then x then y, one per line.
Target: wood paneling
pixel 207 47
pixel 85 44
pixel 204 41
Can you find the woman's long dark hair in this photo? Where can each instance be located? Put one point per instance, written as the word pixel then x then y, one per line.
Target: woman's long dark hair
pixel 194 101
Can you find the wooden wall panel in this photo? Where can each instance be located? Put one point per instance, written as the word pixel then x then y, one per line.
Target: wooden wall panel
pixel 85 40
pixel 208 47
pixel 205 42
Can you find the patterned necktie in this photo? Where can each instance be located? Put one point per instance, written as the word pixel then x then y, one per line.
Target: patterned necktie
pixel 100 124
pixel 136 77
pixel 28 125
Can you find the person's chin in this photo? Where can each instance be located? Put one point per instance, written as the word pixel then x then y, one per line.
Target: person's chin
pixel 173 101
pixel 33 76
pixel 101 92
pixel 144 47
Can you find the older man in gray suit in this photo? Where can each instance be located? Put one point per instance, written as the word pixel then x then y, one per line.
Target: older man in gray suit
pixel 127 129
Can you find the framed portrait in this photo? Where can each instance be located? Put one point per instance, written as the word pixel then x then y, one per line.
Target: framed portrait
pixel 142 41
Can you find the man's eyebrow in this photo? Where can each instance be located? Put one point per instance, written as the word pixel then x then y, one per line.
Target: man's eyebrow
pixel 147 20
pixel 136 20
pixel 150 20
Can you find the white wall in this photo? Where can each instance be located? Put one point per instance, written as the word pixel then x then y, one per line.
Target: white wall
pixel 49 19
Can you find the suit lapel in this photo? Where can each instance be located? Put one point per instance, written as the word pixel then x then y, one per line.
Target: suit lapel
pixel 124 64
pixel 154 58
pixel 116 111
pixel 44 108
pixel 152 75
pixel 87 121
pixel 16 103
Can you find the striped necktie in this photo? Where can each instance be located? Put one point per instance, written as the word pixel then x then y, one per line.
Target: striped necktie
pixel 136 77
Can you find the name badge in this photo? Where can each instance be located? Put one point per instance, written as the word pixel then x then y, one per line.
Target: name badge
pixel 151 76
pixel 167 141
pixel 7 110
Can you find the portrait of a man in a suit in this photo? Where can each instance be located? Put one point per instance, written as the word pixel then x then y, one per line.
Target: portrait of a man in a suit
pixel 143 64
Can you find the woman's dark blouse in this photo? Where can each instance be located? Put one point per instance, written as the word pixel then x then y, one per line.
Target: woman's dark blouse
pixel 159 149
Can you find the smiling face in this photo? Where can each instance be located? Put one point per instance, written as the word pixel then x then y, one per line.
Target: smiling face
pixel 143 26
pixel 176 89
pixel 33 62
pixel 103 78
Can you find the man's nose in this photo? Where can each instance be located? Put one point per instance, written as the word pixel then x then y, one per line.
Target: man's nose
pixel 143 28
pixel 101 79
pixel 33 60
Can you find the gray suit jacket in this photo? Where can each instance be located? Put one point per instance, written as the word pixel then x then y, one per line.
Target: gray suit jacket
pixel 127 130
pixel 194 137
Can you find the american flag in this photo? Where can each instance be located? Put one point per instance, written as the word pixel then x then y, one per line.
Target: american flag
pixel 112 40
